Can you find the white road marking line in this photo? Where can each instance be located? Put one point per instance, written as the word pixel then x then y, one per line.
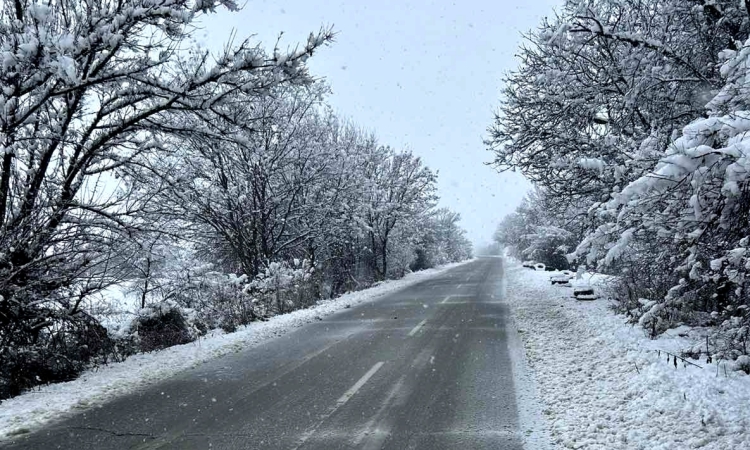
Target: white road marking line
pixel 170 438
pixel 446 299
pixel 415 329
pixel 378 429
pixel 339 403
pixel 454 302
pixel 353 390
pixel 459 286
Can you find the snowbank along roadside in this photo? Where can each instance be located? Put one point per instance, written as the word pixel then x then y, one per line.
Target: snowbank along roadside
pixel 38 407
pixel 532 426
pixel 603 384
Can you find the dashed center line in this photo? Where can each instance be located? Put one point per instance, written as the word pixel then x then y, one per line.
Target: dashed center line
pixel 415 329
pixel 353 390
pixel 339 403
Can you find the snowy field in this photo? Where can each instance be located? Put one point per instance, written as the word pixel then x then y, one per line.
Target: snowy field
pixel 35 408
pixel 603 384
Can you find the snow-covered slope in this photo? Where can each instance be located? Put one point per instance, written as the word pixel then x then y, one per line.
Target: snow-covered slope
pixel 604 385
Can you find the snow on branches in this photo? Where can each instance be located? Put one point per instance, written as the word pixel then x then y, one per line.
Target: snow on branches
pixel 89 91
pixel 639 113
pixel 130 158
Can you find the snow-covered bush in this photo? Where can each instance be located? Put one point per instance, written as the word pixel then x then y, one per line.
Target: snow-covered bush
pixel 743 363
pixel 548 245
pixel 640 274
pixel 215 299
pixel 731 338
pixel 227 301
pixel 283 286
pixel 162 325
pixel 62 351
pixel 224 304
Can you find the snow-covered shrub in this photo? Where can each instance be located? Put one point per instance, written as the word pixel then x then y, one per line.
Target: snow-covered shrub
pixel 640 275
pixel 225 304
pixel 742 364
pixel 60 352
pixel 217 300
pixel 283 286
pixel 653 318
pixel 730 339
pixel 548 245
pixel 400 257
pixel 227 301
pixel 422 260
pixel 162 325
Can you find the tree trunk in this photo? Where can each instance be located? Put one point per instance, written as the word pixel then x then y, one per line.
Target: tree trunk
pixel 385 259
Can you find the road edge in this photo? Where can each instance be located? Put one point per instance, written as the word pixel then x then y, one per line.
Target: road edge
pixel 532 425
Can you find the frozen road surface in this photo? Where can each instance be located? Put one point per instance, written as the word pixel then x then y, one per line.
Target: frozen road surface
pixel 427 367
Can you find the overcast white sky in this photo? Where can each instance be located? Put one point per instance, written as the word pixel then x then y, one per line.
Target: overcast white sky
pixel 423 75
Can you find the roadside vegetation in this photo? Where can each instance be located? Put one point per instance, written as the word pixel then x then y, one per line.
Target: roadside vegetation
pixel 632 118
pixel 212 189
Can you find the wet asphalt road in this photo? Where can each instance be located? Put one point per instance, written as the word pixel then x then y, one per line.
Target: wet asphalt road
pixel 424 368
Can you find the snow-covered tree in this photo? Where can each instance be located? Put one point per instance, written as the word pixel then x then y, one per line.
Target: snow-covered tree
pixel 244 186
pixel 634 113
pixel 87 92
pixel 539 230
pixel 694 206
pixel 442 240
pixel 603 86
pixel 400 190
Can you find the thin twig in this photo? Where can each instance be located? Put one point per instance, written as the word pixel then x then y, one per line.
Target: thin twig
pixel 680 358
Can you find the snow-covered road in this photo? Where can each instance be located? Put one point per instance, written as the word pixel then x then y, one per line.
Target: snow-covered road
pixel 46 404
pixel 427 366
pixel 461 357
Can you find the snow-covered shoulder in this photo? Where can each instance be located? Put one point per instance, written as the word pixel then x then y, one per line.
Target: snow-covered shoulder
pixel 38 407
pixel 603 384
